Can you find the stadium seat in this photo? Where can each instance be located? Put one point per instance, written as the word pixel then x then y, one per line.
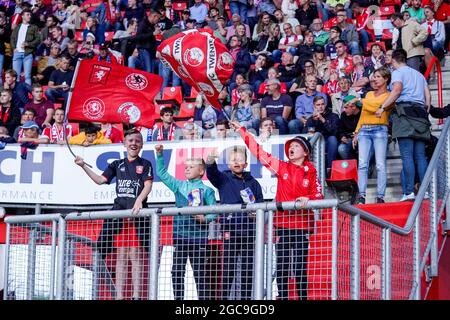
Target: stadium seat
pixel 187 110
pixel 172 95
pixel 386 10
pixel 193 96
pixel 75 127
pixel 179 6
pixel 391 2
pixel 79 36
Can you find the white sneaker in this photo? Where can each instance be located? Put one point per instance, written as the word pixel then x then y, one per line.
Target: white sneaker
pixel 426 196
pixel 407 197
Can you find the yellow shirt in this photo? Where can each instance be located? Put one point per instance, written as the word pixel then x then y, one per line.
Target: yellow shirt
pixel 370 105
pixel 81 137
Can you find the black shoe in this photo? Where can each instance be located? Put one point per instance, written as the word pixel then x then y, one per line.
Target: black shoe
pixel 380 200
pixel 361 200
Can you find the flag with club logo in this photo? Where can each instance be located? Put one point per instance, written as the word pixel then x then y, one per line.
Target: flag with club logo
pixel 112 93
pixel 201 60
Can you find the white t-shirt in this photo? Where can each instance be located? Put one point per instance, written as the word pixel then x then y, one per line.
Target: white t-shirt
pixel 21 37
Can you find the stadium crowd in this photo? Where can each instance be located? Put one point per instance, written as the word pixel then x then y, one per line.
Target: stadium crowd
pixel 300 67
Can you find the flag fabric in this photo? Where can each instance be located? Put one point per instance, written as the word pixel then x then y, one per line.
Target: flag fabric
pixel 200 59
pixel 105 92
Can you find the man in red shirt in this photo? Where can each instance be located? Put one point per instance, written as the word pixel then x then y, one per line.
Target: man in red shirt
pixel 55 133
pixel 343 64
pixel 362 16
pixel 43 107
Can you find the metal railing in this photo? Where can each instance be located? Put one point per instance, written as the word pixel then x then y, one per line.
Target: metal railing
pixel 403 252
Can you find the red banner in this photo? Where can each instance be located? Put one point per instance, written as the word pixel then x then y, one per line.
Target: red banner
pixel 201 60
pixel 104 92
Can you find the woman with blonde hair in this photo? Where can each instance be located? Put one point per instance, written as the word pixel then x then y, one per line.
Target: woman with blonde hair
pixel 372 132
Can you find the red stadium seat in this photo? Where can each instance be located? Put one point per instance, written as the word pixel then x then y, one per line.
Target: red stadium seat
pixel 109 36
pixel 386 10
pixel 187 110
pixel 193 96
pixel 172 95
pixel 179 6
pixel 79 36
pixel 57 105
pixel 75 127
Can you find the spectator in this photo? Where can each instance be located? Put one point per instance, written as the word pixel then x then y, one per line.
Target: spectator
pixel 235 93
pixel 287 70
pixel 262 29
pixel 146 42
pixel 299 85
pixel 330 47
pixel 272 73
pixel 27 115
pixel 412 99
pixel 24 40
pixel 241 57
pixel 343 64
pixel 416 11
pixel 274 38
pixel 111 132
pixel 434 45
pixel 31 133
pixel 61 11
pixel 55 133
pixel 206 115
pixel 105 54
pixel 231 30
pixel 184 18
pixel 48 64
pixel 236 186
pixel 190 233
pixel 10 113
pixel 411 38
pixel 92 27
pixel 50 22
pixel 277 106
pixel 258 74
pixel 222 129
pixel 57 37
pixel 337 99
pixel 348 122
pixel 239 7
pixel 5 137
pixel 212 17
pixel 306 50
pixel 5 33
pixel 91 136
pixel 138 170
pixel 166 129
pixel 245 112
pixel 43 107
pixel 73 21
pixel 40 11
pixel 73 54
pixel 59 82
pixel 20 90
pixel 321 37
pixel 388 60
pixel 304 106
pixel 376 60
pixel 221 32
pixel 289 7
pixel 240 32
pixel 372 132
pixel 266 129
pixel 321 63
pixel 133 11
pixel 292 230
pixel 349 33
pixel 281 19
pixel 306 13
pixel 199 11
pixel 290 43
pixel 326 122
pixel 366 33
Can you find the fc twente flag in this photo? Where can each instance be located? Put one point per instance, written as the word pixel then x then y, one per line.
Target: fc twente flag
pixel 104 92
pixel 200 59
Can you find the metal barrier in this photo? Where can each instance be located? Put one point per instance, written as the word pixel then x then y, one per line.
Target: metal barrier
pixel 173 253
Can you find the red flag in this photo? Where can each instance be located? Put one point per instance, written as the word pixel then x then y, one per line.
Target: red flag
pixel 105 92
pixel 200 59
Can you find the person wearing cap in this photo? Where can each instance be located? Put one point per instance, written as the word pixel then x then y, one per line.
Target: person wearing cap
pixel 372 132
pixel 31 133
pixel 221 31
pixel 347 126
pixel 104 54
pixel 296 181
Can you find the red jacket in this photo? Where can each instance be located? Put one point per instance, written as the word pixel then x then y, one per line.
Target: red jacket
pixel 348 61
pixel 293 181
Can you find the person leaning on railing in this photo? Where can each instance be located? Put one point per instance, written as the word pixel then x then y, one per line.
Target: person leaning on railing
pixel 297 180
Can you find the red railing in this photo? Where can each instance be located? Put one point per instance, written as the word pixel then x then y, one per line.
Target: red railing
pixel 435 61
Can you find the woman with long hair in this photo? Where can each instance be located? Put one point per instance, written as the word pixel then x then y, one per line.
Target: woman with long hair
pixel 372 132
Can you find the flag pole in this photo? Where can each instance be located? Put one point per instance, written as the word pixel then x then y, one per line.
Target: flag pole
pixel 69 98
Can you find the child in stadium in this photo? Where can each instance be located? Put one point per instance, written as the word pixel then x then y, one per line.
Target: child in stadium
pixel 236 186
pixel 190 233
pixel 136 174
pixel 92 135
pixel 297 180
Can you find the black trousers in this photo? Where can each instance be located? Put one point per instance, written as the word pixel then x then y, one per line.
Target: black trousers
pixel 292 249
pixel 235 246
pixel 196 252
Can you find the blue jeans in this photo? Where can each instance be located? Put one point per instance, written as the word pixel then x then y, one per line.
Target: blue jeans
pixel 2 59
pixel 412 153
pixel 240 9
pixel 53 94
pixel 282 125
pixel 295 126
pixel 19 60
pixel 354 47
pixel 276 54
pixel 331 147
pixel 373 136
pixel 365 39
pixel 142 61
pixel 345 150
pixel 168 75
